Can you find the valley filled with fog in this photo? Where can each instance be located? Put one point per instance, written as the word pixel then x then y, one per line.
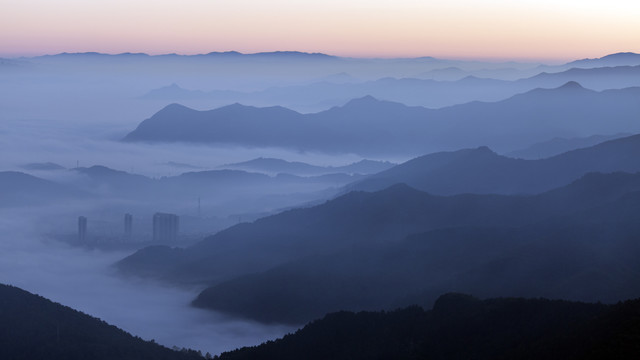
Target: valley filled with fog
pixel 307 184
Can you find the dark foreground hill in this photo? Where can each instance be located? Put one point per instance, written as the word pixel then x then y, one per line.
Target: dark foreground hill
pixel 32 327
pixel 462 327
pixel 570 261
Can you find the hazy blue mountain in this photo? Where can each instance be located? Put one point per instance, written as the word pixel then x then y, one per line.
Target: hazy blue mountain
pixel 281 54
pixel 12 64
pixel 558 146
pixel 486 261
pixel 115 183
pixel 340 78
pixel 431 91
pixel 226 54
pixel 225 192
pixel 600 78
pixel 482 171
pixel 46 166
pixel 445 74
pixel 423 92
pixel 18 189
pixel 362 219
pixel 617 59
pixel 276 166
pixel 362 125
pixel 174 92
pixel 180 165
pixel 36 328
pixel 462 327
pixel 582 234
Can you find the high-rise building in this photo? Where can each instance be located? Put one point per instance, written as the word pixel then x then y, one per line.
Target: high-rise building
pixel 82 228
pixel 128 226
pixel 165 227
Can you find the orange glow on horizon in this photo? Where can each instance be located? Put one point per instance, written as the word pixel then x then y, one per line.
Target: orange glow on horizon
pixel 499 29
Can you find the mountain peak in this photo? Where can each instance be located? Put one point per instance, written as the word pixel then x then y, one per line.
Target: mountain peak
pixel 367 99
pixel 571 85
pixel 174 107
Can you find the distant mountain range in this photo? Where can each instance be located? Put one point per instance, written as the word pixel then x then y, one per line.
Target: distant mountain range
pixel 47 166
pixel 118 183
pixel 558 146
pixel 363 125
pixel 430 93
pixel 211 54
pixel 277 166
pixel 20 189
pixel 224 192
pixel 36 328
pixel 462 327
pixel 617 59
pixel 481 171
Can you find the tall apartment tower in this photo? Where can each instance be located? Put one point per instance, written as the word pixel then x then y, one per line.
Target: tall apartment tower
pixel 82 228
pixel 128 226
pixel 165 227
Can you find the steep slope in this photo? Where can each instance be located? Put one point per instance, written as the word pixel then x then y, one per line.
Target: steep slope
pixel 36 328
pixel 482 171
pixel 362 219
pixel 557 146
pixel 589 256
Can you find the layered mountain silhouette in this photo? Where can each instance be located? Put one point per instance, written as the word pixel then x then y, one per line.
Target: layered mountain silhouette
pixel 46 166
pixel 617 59
pixel 363 125
pixel 481 171
pixel 104 181
pixel 357 227
pixel 462 327
pixel 277 166
pixel 20 189
pixel 573 246
pixel 36 328
pixel 557 146
pixel 431 92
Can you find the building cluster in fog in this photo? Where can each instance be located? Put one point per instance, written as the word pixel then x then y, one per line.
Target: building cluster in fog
pixel 128 226
pixel 165 228
pixel 82 228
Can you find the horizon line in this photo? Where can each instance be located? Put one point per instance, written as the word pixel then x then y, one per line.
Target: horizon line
pixel 319 54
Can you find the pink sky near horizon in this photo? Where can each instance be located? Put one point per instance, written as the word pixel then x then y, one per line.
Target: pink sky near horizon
pixel 492 29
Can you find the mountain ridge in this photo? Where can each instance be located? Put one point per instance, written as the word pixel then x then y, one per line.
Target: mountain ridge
pixel 351 127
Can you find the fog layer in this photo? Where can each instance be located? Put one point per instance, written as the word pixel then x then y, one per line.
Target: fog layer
pixel 83 279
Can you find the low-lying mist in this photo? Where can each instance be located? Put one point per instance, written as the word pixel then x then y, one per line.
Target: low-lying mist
pixel 69 145
pixel 83 279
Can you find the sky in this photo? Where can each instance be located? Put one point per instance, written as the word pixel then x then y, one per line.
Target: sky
pixel 500 29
